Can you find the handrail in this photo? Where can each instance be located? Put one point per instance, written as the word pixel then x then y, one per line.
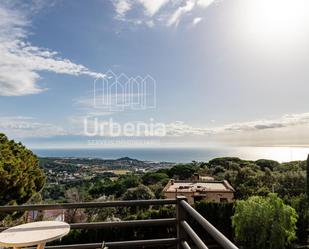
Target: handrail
pixel 120 244
pixel 216 234
pixel 185 245
pixel 97 225
pixel 88 205
pixel 183 228
pixel 195 238
pixel 129 223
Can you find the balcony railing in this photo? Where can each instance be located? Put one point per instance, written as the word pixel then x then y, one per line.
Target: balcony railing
pixel 184 212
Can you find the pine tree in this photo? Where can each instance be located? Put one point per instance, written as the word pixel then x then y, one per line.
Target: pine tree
pixel 20 174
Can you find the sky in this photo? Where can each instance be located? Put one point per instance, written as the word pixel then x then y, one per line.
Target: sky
pixel 211 72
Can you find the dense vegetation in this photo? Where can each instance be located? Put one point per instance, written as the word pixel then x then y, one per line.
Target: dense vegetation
pixel 249 178
pixel 264 222
pixel 278 187
pixel 262 177
pixel 20 174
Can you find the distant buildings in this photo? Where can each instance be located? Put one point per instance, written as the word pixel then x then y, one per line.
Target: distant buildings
pixel 66 170
pixel 56 214
pixel 197 189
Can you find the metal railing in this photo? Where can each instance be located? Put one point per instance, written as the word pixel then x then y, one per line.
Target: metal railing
pixel 184 230
pixel 184 209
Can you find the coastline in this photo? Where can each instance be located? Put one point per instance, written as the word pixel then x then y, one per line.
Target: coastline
pixel 182 155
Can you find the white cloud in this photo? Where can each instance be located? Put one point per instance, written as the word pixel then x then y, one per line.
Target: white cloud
pixel 282 122
pixel 22 127
pixel 175 18
pixel 122 7
pixel 205 3
pixel 21 62
pixel 150 23
pixel 196 20
pixel 153 6
pixel 286 130
pixel 165 12
pixel 180 128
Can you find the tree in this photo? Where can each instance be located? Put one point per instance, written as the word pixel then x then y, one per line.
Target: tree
pixel 74 215
pixel 130 181
pixel 263 163
pixel 218 214
pixel 141 192
pixel 307 164
pixel 116 188
pixel 264 222
pixel 218 169
pixel 246 182
pixel 182 171
pixel 20 174
pixel 301 205
pixel 225 162
pixel 154 177
pixel 291 183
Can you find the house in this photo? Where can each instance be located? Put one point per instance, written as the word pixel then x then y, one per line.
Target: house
pixel 196 190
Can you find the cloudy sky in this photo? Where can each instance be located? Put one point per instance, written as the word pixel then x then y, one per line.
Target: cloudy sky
pixel 226 71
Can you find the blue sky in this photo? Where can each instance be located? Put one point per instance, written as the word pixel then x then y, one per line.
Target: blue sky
pixel 231 72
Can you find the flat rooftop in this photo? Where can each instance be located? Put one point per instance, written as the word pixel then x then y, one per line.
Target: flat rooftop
pixel 198 186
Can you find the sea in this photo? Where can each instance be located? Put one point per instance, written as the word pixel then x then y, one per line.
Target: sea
pixel 182 155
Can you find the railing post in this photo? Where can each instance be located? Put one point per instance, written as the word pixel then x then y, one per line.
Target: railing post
pixel 180 216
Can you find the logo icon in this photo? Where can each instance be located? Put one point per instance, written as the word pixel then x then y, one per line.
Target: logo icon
pixel 120 92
